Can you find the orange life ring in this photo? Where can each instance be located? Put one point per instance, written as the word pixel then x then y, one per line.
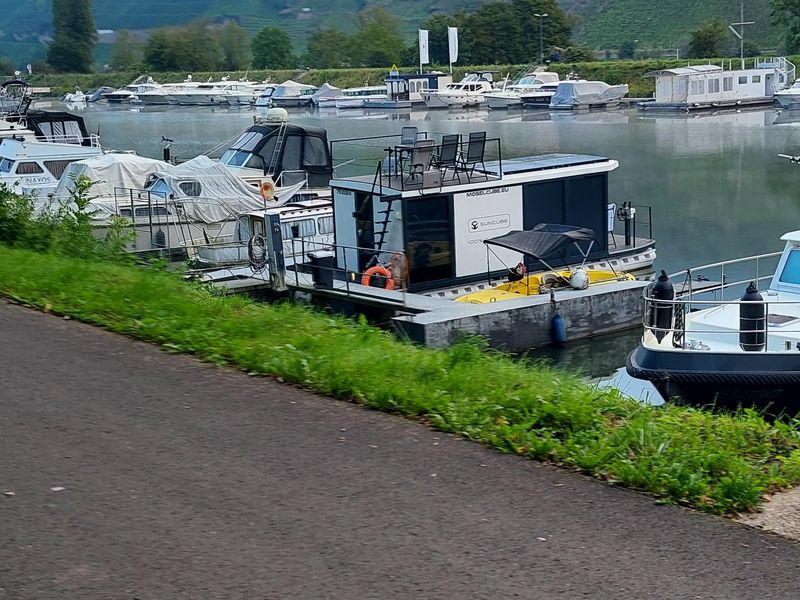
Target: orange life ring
pixel 378 270
pixel 267 190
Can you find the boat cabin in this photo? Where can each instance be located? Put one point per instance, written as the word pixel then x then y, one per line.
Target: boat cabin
pixel 289 153
pixel 439 215
pixel 408 86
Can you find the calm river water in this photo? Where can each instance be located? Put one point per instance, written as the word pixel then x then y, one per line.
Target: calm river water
pixel 716 185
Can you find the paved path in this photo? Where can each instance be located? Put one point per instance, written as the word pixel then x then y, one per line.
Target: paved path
pixel 182 480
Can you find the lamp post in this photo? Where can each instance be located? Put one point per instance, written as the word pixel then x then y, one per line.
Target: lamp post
pixel 541 18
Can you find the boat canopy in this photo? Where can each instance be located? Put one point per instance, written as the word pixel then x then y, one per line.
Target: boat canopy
pixel 108 171
pixel 58 126
pixel 577 93
pixel 545 240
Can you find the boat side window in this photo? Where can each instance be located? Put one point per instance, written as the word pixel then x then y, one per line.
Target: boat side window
pixel 191 188
pixel 298 229
pixel 791 270
pixel 29 168
pixel 756 79
pixel 159 187
pixel 713 86
pixel 727 84
pixel 57 167
pixel 743 79
pixel 6 165
pixel 292 153
pixel 125 212
pixel 325 225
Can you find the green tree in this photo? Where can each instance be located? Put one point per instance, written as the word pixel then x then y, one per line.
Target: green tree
pixel 126 51
pixel 272 49
pixel 74 37
pixel 709 40
pixel 377 41
pixel 627 50
pixel 234 46
pixel 6 66
pixel 194 47
pixel 786 14
pixel 327 48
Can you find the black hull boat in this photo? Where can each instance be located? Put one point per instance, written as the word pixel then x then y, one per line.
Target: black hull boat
pixel 707 343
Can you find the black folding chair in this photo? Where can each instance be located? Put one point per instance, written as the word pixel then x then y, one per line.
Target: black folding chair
pixel 476 147
pixel 448 155
pixel 420 160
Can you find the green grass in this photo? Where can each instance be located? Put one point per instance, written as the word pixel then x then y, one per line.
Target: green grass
pixel 717 463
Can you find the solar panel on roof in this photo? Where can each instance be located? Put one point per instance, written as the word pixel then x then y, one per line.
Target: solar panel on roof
pixel 544 162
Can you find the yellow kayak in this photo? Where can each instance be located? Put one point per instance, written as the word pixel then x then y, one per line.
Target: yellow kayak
pixel 540 283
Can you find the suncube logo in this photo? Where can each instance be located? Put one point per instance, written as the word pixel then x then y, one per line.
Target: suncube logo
pixel 478 224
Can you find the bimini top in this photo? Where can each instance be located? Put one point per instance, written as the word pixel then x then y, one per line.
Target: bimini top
pixel 58 126
pixel 695 70
pixel 544 240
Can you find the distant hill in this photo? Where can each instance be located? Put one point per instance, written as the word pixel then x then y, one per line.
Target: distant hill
pixel 665 23
pixel 604 23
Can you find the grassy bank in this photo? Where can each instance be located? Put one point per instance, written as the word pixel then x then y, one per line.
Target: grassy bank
pixel 717 463
pixel 618 71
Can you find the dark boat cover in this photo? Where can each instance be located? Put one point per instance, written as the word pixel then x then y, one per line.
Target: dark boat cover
pixel 544 240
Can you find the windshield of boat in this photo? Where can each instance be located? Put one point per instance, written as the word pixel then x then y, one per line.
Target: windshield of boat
pixel 791 269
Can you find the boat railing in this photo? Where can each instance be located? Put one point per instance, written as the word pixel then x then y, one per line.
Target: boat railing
pixel 352 267
pixel 671 317
pixel 629 219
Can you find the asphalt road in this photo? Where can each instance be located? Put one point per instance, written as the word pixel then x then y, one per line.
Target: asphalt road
pixel 183 480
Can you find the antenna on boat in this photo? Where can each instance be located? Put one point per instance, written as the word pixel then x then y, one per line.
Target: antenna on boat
pixel 740 34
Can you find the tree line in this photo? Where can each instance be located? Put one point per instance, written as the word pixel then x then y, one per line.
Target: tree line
pixel 498 32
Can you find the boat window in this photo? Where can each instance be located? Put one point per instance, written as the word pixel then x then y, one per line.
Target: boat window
pixel 28 168
pixel 65 132
pixel 234 158
pixel 713 86
pixel 315 153
pixel 57 167
pixel 727 84
pixel 6 165
pixel 325 224
pixel 255 162
pixel 791 270
pixel 247 141
pixel 756 79
pixel 159 187
pixel 125 212
pixel 191 188
pixel 698 87
pixel 743 79
pixel 298 229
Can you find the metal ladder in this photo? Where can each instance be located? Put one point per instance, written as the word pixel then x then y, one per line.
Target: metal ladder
pixel 380 235
pixel 273 163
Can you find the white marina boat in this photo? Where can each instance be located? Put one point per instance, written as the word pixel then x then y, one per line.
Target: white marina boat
pixel 211 93
pixel 709 86
pixel 288 94
pixel 34 157
pixel 580 94
pixel 789 98
pixel 468 92
pixel 123 94
pixel 512 95
pixel 356 97
pixel 727 334
pixel 76 97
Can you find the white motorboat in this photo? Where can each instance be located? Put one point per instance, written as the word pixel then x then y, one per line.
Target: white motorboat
pixel 355 97
pixel 123 94
pixel 512 95
pixel 209 93
pixel 76 97
pixel 470 91
pixel 34 158
pixel 327 93
pixel 577 94
pixel 716 339
pixel 789 97
pixel 540 97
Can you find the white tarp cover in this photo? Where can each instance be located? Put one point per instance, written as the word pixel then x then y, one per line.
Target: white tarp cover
pixel 326 90
pixel 220 195
pixel 109 171
pixel 290 88
pixel 582 93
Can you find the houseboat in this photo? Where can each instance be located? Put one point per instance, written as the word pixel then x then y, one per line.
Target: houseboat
pixel 406 89
pixel 712 86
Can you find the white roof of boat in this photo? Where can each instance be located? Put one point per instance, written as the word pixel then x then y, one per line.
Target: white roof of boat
pixel 792 236
pixel 693 70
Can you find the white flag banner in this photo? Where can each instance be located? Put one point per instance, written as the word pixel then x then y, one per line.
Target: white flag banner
pixel 452 43
pixel 424 59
